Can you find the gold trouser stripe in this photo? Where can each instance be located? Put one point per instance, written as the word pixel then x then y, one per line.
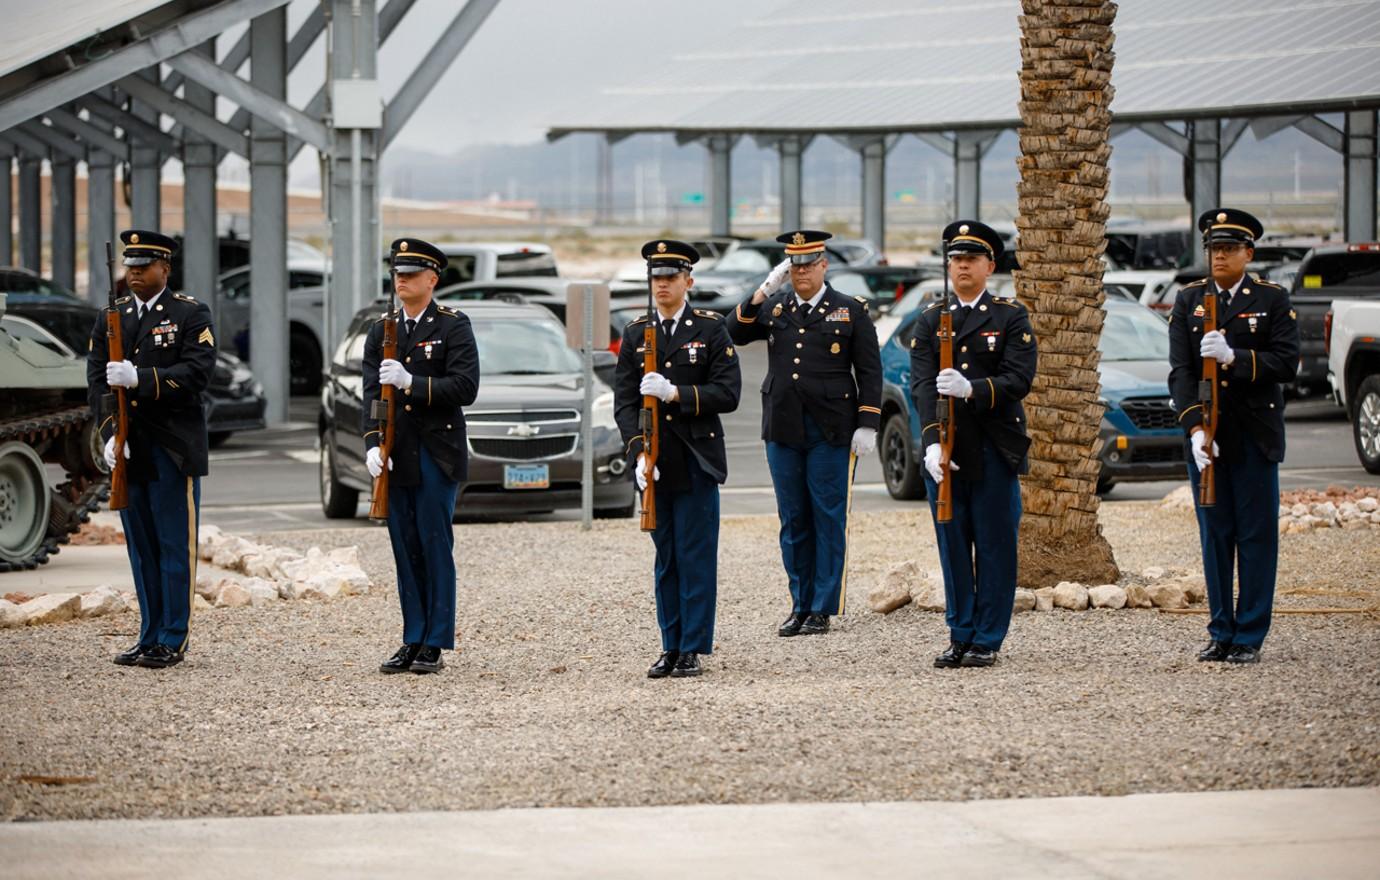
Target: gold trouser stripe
pixel 696 389
pixel 847 516
pixel 994 394
pixel 1252 365
pixel 191 561
pixel 156 389
pixel 428 391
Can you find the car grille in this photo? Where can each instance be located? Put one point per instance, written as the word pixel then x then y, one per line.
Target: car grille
pixel 529 416
pixel 1151 413
pixel 524 448
pixel 1157 454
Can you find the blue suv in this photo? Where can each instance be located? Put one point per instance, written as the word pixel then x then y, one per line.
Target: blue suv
pixel 1141 438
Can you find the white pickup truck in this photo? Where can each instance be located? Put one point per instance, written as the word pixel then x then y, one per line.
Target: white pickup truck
pixel 1352 333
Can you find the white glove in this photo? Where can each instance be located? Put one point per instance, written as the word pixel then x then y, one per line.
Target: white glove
pixel 932 456
pixel 952 383
pixel 1200 456
pixel 392 373
pixel 864 441
pixel 110 453
pixel 658 386
pixel 776 277
pixel 1214 345
pixel 374 461
pixel 640 474
pixel 121 373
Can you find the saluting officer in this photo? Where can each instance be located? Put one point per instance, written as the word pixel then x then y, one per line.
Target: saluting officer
pixel 821 404
pixel 994 366
pixel 697 380
pixel 436 374
pixel 1257 349
pixel 170 351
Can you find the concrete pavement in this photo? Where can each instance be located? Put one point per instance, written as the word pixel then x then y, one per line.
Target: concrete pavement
pixel 1333 833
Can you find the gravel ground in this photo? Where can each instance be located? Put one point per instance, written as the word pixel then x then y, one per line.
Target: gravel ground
pixel 279 708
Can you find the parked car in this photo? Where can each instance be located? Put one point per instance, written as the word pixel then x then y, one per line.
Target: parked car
pixel 1353 369
pixel 1141 438
pixel 53 316
pixel 881 285
pixel 523 430
pixel 1328 275
pixel 1132 244
pixel 1150 287
pixel 306 319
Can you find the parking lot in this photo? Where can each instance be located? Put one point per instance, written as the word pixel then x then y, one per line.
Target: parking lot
pixel 267 480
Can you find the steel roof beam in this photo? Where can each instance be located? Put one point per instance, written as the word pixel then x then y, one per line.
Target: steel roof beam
pixel 93 135
pixel 1324 133
pixel 204 124
pixel 135 128
pixel 58 141
pixel 258 102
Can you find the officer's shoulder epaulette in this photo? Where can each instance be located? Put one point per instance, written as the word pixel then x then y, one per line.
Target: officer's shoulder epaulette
pixel 640 319
pixel 185 298
pixel 864 300
pixel 704 313
pixel 1199 283
pixel 1265 281
pixel 1011 301
pixel 447 311
pixel 122 300
pixel 932 306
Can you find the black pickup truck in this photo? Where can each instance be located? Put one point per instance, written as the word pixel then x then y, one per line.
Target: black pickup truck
pixel 1329 272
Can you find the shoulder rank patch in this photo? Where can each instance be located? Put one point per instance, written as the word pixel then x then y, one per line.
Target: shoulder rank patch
pixel 706 313
pixel 1025 337
pixel 206 338
pixel 184 297
pixel 1293 315
pixel 90 344
pixel 729 351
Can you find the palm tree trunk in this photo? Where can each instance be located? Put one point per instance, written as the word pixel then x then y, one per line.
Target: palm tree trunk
pixel 1066 94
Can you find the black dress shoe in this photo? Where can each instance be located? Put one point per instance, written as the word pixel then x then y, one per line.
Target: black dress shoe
pixel 428 659
pixel 159 657
pixel 1214 652
pixel 130 657
pixel 792 625
pixel 687 665
pixel 976 656
pixel 1243 654
pixel 814 625
pixel 952 656
pixel 663 665
pixel 401 661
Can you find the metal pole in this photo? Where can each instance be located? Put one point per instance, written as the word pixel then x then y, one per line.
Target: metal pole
pixel 874 192
pixel 6 209
pixel 63 200
pixel 967 178
pixel 720 184
pixel 1206 135
pixel 268 275
pixel 31 211
pixel 146 168
pixel 200 247
pixel 791 148
pixel 100 212
pixel 586 423
pixel 1360 159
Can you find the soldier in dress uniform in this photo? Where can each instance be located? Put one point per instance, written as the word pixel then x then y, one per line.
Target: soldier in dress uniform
pixel 821 405
pixel 170 351
pixel 1257 350
pixel 435 375
pixel 994 366
pixel 698 380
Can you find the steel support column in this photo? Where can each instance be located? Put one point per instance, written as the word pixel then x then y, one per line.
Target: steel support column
pixel 1206 165
pixel 720 183
pixel 200 250
pixel 31 211
pixel 791 150
pixel 6 207
pixel 146 168
pixel 1360 162
pixel 873 155
pixel 603 202
pixel 968 152
pixel 62 190
pixel 100 222
pixel 268 275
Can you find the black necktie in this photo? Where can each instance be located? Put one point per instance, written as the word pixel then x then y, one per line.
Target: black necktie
pixel 805 310
pixel 411 325
pixel 667 325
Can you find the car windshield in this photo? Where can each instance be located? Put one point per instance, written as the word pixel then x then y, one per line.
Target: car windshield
pixel 24 283
pixel 743 260
pixel 1133 334
pixel 526 346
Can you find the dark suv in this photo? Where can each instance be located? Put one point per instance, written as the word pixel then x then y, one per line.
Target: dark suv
pixel 523 431
pixel 1330 272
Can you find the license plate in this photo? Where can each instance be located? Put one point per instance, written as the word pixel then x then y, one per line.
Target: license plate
pixel 526 476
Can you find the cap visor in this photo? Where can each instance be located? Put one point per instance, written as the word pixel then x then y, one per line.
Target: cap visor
pixel 806 259
pixel 668 270
pixel 408 269
pixel 138 261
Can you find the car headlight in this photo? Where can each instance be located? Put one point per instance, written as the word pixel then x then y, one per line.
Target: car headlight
pixel 601 416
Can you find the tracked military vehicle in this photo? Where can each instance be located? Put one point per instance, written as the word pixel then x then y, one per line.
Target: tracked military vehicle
pixel 52 473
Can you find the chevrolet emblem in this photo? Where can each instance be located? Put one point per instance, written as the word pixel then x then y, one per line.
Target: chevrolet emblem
pixel 524 430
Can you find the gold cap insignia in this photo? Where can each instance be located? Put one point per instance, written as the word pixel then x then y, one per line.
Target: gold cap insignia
pixel 798 238
pixel 134 238
pixel 1025 337
pixel 661 247
pixel 1222 217
pixel 402 246
pixel 834 349
pixel 963 230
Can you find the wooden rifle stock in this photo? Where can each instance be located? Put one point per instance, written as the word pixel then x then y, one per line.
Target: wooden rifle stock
pixel 944 407
pixel 651 430
pixel 384 410
pixel 1207 396
pixel 115 351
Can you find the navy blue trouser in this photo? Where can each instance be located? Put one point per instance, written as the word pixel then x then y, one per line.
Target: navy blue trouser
pixel 419 524
pixel 1240 531
pixel 687 563
pixel 812 496
pixel 160 536
pixel 977 551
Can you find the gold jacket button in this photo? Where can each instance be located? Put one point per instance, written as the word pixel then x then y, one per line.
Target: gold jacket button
pixel 797 360
pixel 407 391
pixel 711 433
pixel 447 427
pixel 795 375
pixel 963 366
pixel 668 365
pixel 136 351
pixel 408 359
pixel 668 417
pixel 800 345
pixel 134 403
pixel 802 331
pixel 1224 383
pixel 964 348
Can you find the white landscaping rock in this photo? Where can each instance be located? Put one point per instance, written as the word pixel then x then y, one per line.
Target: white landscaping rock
pixel 11 614
pixel 1195 588
pixel 233 595
pixel 1044 599
pixel 1025 600
pixel 206 586
pixel 1180 499
pixel 1107 596
pixel 927 592
pixel 206 538
pixel 1138 597
pixel 1071 596
pixel 893 590
pixel 199 603
pixel 324 586
pixel 345 556
pixel 53 608
pixel 1368 505
pixel 261 591
pixel 101 601
pixel 1167 595
pixel 131 600
pixel 1153 573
